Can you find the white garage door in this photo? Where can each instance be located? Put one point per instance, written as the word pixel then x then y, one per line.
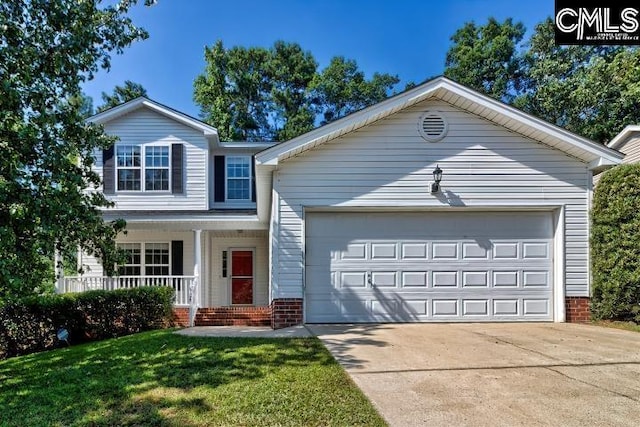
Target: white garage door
pixel 417 267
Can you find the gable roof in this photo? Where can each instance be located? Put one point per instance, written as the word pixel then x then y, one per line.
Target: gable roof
pixel 624 136
pixel 144 102
pixel 597 156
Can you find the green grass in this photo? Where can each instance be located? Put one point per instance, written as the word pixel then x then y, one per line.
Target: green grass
pixel 161 379
pixel 627 326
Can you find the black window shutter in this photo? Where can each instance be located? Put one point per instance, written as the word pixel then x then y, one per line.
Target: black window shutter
pixel 108 171
pixel 176 258
pixel 253 179
pixel 218 179
pixel 177 186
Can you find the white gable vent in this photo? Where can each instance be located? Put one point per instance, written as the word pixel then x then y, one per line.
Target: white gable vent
pixel 432 126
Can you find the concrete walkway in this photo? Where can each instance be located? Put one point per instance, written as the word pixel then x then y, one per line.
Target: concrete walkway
pixel 497 374
pixel 299 331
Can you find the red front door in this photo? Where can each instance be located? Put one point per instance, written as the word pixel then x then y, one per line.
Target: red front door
pixel 241 277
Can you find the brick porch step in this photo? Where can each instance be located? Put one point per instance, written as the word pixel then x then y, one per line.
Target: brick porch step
pixel 234 316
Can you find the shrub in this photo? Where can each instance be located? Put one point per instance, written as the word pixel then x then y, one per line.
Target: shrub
pixel 31 324
pixel 615 245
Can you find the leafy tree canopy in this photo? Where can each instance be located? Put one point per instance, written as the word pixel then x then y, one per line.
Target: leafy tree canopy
pixel 589 90
pixel 47 49
pixel 278 93
pixel 121 94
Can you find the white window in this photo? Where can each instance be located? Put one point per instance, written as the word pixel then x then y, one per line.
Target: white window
pixel 133 264
pixel 239 178
pixel 155 165
pixel 128 165
pixel 156 261
pixel 156 168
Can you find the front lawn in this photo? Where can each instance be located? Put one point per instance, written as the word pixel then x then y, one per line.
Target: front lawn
pixel 159 378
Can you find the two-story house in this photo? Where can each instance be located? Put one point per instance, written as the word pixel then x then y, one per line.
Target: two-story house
pixel 437 204
pixel 192 212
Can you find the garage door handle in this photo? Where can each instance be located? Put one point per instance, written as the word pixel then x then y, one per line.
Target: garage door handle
pixel 369 280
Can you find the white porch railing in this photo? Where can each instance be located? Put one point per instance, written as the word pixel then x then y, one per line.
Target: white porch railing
pixel 182 285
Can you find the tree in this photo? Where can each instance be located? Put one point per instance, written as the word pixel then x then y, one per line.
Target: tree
pixel 291 70
pixel 615 245
pixel 486 57
pixel 277 93
pixel 47 49
pixel 233 92
pixel 342 88
pixel 589 90
pixel 122 94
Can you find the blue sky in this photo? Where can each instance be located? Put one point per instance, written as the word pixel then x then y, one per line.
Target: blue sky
pixel 406 38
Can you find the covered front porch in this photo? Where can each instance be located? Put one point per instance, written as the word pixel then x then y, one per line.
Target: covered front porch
pixel 220 277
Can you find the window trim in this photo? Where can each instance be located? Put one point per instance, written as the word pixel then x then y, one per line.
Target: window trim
pixel 118 168
pixel 226 179
pixel 143 168
pixel 141 255
pixel 168 264
pixel 143 264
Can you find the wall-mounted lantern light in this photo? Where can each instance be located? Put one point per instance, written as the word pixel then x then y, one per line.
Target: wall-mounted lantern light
pixel 437 177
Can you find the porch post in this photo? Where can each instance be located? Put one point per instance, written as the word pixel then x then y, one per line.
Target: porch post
pixel 58 269
pixel 194 302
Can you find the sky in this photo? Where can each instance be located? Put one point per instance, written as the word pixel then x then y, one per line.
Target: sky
pixel 407 38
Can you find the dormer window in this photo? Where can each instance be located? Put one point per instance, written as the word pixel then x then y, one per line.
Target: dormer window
pixel 238 178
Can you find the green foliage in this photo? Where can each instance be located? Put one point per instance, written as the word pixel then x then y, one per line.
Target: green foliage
pixel 615 245
pixel 484 57
pixel 254 93
pixel 121 94
pixel 47 49
pixel 590 90
pixel 342 88
pixel 30 325
pixel 159 378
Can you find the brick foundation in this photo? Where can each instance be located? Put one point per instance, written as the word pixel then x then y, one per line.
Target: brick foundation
pixel 234 316
pixel 181 316
pixel 577 309
pixel 286 312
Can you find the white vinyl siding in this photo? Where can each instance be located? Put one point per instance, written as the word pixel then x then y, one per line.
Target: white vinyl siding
pixel 146 128
pixel 388 165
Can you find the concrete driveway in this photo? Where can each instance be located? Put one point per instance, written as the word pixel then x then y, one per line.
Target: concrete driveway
pixel 492 374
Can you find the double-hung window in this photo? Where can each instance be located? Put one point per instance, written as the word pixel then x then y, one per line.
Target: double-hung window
pixel 133 263
pixel 156 260
pixel 238 178
pixel 129 167
pixel 135 172
pixel 156 168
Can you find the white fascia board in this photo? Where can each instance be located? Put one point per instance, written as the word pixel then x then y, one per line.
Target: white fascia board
pixel 245 145
pixel 623 137
pixel 601 163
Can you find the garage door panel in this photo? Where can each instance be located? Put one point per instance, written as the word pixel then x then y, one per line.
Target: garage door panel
pixel 379 267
